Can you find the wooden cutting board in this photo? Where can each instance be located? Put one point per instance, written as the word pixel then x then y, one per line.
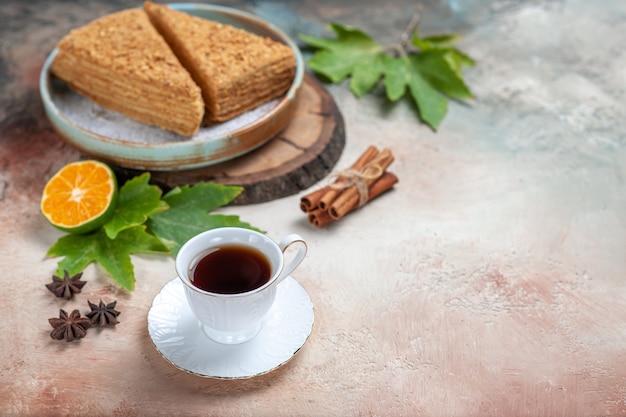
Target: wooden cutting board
pixel 300 156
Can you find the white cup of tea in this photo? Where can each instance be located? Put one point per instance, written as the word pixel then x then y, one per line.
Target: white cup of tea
pixel 231 275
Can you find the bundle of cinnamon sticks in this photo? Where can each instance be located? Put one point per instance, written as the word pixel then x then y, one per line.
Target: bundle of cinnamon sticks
pixel 365 180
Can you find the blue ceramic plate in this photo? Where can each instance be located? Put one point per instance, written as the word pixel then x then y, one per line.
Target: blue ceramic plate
pixel 113 137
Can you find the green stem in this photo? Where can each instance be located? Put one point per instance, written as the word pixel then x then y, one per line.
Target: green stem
pixel 400 49
pixel 405 38
pixel 395 49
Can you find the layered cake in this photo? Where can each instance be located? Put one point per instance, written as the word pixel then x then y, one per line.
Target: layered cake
pixel 122 63
pixel 236 70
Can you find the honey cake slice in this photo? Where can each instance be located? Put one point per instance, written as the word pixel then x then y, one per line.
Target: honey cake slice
pixel 122 63
pixel 236 70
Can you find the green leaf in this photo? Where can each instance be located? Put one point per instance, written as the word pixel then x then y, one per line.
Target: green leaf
pixel 397 76
pixel 188 213
pixel 442 41
pixel 458 60
pixel 402 73
pixel 445 42
pixel 366 75
pixel 112 254
pixel 353 53
pixel 137 200
pixel 431 75
pixel 435 68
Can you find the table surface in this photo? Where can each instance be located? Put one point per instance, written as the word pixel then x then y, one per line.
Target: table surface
pixel 490 282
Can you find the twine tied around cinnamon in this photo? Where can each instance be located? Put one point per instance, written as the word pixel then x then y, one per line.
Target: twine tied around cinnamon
pixel 365 180
pixel 358 178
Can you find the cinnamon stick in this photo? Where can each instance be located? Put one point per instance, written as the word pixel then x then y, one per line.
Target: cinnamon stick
pixel 349 198
pixel 311 201
pixel 321 218
pixel 333 192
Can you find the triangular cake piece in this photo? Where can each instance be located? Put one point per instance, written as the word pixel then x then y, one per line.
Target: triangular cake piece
pixel 236 70
pixel 122 63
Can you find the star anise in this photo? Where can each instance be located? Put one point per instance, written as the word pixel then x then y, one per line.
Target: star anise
pixel 69 327
pixel 67 286
pixel 103 314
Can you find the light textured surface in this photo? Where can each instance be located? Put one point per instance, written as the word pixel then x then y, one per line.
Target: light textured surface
pixel 490 282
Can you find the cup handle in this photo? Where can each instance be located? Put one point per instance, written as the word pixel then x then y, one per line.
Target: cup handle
pixel 297 258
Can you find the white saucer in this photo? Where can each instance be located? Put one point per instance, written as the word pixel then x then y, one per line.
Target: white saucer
pixel 178 335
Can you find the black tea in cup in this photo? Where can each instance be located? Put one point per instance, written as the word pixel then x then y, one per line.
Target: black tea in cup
pixel 231 269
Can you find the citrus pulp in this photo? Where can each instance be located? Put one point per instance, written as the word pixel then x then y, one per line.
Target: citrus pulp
pixel 80 197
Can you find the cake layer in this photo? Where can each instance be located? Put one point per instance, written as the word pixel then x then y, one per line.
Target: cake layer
pixel 236 70
pixel 122 63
